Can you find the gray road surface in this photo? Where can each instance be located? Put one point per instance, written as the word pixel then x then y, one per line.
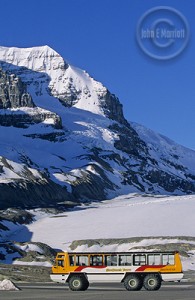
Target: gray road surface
pixel 52 291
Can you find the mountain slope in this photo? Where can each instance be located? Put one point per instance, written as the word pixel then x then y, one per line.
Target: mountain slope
pixel 75 136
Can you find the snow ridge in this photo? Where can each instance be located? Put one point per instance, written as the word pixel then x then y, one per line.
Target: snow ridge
pixel 65 81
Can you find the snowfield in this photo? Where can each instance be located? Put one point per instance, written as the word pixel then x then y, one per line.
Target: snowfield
pixel 122 217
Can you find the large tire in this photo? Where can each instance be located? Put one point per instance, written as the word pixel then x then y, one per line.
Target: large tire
pixel 152 282
pixel 78 283
pixel 133 282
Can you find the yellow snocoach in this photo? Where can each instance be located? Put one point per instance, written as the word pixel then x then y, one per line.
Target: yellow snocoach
pixel 134 269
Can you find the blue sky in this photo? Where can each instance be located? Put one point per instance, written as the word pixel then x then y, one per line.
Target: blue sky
pixel 99 36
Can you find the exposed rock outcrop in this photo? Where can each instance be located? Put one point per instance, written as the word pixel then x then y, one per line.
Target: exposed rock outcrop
pixel 24 118
pixel 17 107
pixel 24 194
pixel 13 93
pixel 112 107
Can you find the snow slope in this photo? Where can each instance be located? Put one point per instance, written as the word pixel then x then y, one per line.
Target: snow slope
pixel 161 146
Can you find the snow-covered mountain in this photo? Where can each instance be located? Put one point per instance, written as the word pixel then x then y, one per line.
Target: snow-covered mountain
pixel 63 137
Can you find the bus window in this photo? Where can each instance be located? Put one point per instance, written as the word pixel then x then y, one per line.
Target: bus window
pixel 139 260
pixel 154 259
pixel 96 260
pixel 111 260
pixel 125 260
pixel 168 259
pixel 71 260
pixel 81 260
pixel 60 263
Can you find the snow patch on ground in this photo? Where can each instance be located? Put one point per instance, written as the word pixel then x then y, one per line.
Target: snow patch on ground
pixel 8 285
pixel 33 263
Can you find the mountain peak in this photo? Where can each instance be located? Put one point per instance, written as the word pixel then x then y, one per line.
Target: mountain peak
pixel 35 58
pixel 25 51
pixel 54 77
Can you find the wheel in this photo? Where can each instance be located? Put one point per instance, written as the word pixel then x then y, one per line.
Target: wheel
pixel 133 283
pixel 78 283
pixel 152 282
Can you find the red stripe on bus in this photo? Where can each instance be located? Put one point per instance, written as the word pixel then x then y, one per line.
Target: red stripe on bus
pixel 143 268
pixel 80 268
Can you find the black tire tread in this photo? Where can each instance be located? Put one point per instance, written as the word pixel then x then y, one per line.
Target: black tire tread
pixel 138 285
pixel 84 284
pixel 158 280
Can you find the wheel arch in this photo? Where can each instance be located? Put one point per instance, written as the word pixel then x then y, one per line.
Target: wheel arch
pixel 142 275
pixel 82 275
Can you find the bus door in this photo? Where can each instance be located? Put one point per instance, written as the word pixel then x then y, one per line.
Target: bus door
pixel 59 265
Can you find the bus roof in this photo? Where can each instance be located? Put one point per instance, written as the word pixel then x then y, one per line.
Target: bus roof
pixel 121 252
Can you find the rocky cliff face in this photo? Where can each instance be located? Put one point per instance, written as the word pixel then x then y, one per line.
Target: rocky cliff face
pixel 24 118
pixel 58 121
pixel 23 186
pixel 13 92
pixel 17 107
